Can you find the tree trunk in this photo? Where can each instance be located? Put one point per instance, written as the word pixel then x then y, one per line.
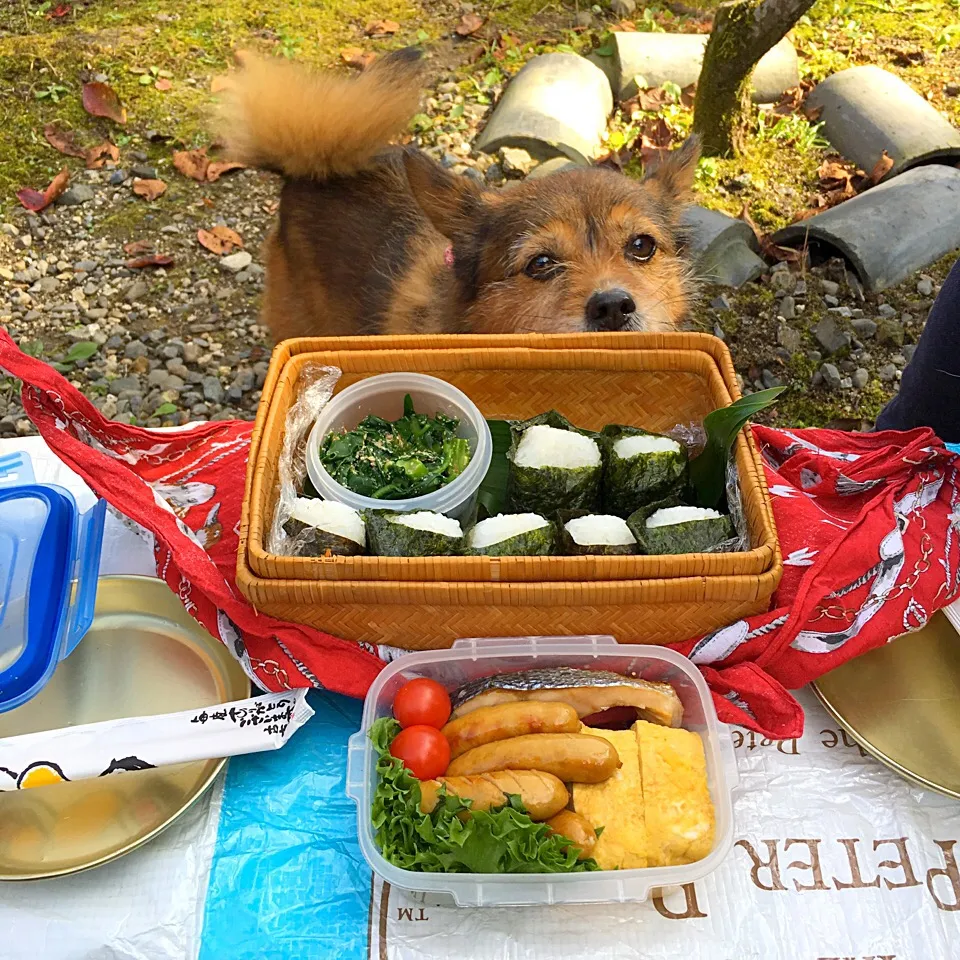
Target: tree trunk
pixel 743 31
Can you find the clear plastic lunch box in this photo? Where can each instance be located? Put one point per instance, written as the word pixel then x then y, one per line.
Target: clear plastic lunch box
pixel 383 396
pixel 49 562
pixel 471 659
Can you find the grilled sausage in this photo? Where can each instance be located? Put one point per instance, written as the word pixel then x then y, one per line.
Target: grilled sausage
pixel 572 757
pixel 577 829
pixel 507 720
pixel 542 794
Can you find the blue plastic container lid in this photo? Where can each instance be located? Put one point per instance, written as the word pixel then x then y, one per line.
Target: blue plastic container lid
pixel 45 545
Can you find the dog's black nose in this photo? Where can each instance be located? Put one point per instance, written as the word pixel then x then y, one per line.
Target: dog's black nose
pixel 609 309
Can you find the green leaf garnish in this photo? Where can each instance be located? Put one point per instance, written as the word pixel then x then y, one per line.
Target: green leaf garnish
pixel 492 494
pixel 505 840
pixel 708 472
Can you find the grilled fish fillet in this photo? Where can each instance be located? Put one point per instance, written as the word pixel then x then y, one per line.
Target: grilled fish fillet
pixel 587 691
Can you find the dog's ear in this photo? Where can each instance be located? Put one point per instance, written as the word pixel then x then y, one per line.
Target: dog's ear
pixel 673 175
pixel 450 202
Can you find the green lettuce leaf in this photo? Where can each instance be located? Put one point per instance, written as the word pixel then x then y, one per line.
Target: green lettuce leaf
pixel 505 840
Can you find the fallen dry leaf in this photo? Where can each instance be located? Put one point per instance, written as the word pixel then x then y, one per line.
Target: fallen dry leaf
pixel 217 168
pixel 60 10
pixel 833 170
pixel 804 215
pixel 220 240
pixel 469 24
pixel 101 100
pixel 192 163
pixel 382 28
pixel 36 200
pixel 626 26
pixel 614 159
pixel 767 247
pixel 136 247
pixel 653 99
pixel 149 189
pixel 196 165
pixel 151 260
pixel 357 58
pixel 688 95
pixel 812 113
pixel 657 132
pixel 881 168
pixel 790 102
pixel 650 153
pixel 97 156
pixel 63 140
pixel 163 84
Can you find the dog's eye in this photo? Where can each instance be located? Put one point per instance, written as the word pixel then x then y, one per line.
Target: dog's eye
pixel 544 266
pixel 641 248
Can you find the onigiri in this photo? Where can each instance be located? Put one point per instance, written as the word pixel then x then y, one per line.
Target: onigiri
pixel 640 468
pixel 553 466
pixel 544 446
pixel 668 516
pixel 517 534
pixel 322 526
pixel 419 534
pixel 600 529
pixel 679 529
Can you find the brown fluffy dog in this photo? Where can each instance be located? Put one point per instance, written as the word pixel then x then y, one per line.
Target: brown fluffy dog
pixel 381 240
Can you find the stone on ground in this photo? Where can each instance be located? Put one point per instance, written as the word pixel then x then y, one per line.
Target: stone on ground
pixel 724 249
pixel 556 165
pixel 557 105
pixel 866 110
pixel 677 58
pixel 892 230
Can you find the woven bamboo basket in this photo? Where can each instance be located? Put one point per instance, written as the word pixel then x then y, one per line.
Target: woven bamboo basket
pixel 651 380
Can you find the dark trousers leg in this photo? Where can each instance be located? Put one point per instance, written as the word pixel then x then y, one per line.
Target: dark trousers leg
pixel 930 389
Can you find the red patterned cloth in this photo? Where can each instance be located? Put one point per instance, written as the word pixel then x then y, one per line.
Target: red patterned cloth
pixel 867 524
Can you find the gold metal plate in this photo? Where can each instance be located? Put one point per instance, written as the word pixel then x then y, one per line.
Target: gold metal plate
pixel 901 703
pixel 144 655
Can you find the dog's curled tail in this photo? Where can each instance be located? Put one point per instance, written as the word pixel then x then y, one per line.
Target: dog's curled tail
pixel 283 117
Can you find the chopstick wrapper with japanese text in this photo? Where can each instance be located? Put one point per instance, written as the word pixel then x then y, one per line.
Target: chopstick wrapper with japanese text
pixel 141 743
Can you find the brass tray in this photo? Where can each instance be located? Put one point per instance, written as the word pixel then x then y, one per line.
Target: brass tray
pixel 143 655
pixel 901 703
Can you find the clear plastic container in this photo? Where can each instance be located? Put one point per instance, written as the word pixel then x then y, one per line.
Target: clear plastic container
pixel 383 396
pixel 471 659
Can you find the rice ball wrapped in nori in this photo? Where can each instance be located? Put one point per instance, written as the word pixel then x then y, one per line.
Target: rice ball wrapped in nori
pixel 512 535
pixel 640 468
pixel 670 527
pixel 553 466
pixel 595 534
pixel 319 527
pixel 420 534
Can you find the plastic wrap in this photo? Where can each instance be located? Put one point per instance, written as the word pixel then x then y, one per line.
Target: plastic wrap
pixel 315 388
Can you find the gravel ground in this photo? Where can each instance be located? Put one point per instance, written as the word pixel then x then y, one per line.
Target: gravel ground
pixel 184 343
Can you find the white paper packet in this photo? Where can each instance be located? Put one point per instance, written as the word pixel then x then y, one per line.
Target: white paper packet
pixel 140 743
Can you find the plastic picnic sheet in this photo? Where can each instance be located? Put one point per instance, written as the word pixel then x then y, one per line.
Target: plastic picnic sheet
pixel 835 857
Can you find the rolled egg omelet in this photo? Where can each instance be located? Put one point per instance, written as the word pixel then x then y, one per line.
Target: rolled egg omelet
pixel 678 811
pixel 617 806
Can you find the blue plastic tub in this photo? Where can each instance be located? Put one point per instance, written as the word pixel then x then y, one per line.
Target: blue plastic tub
pixel 49 562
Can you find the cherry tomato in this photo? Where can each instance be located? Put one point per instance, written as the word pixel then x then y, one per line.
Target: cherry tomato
pixel 424 751
pixel 422 701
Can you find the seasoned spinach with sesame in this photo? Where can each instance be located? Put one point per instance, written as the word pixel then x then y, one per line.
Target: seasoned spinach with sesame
pixel 409 457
